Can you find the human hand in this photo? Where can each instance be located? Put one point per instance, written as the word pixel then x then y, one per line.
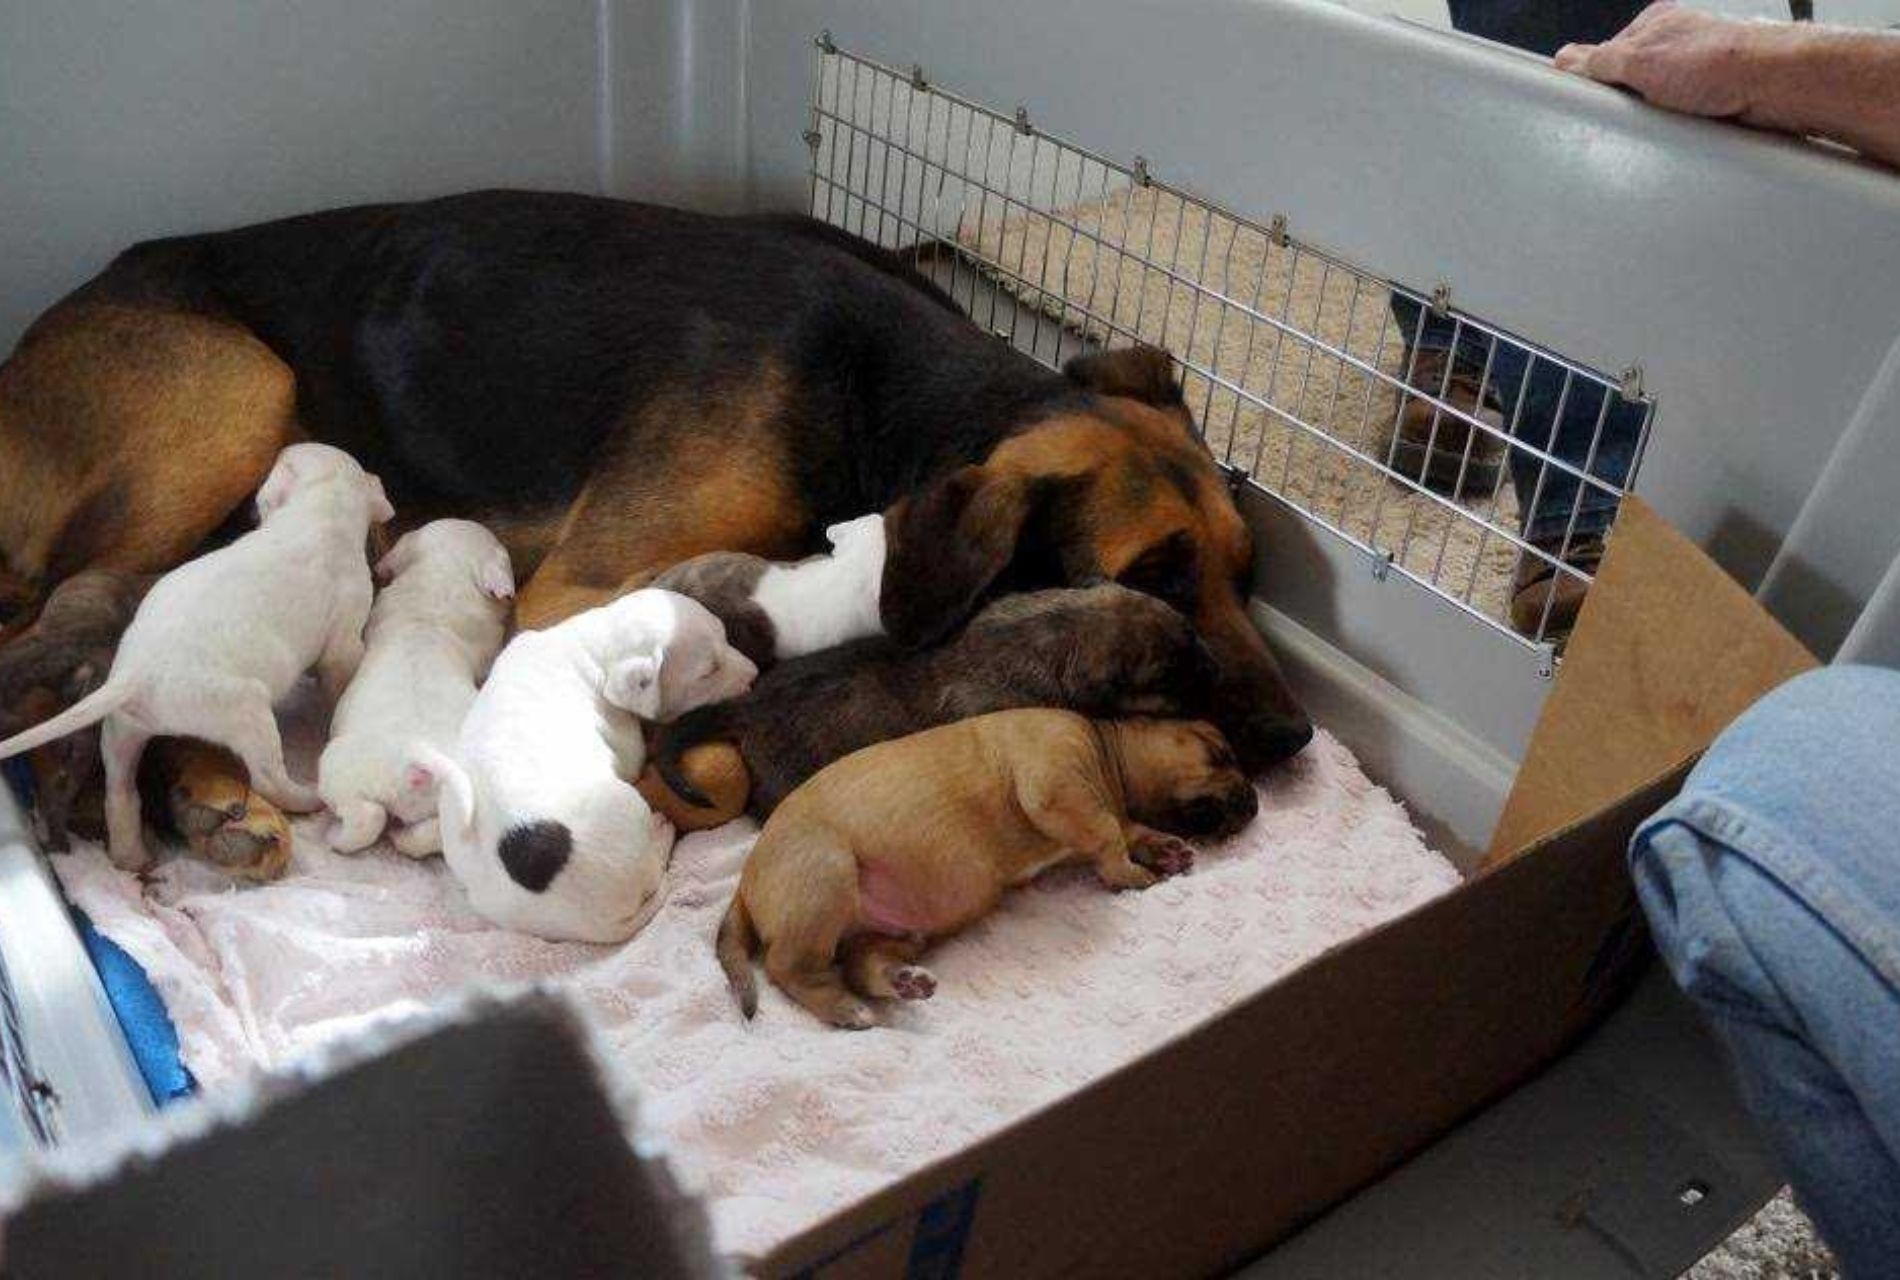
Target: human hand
pixel 1677 58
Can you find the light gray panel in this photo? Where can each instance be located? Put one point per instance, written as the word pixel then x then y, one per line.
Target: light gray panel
pixel 123 121
pixel 675 105
pixel 1756 280
pixel 1847 537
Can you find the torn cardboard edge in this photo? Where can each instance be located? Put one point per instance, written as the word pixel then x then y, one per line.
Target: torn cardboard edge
pixel 1667 652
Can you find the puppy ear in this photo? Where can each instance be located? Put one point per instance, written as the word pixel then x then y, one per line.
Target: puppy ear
pixel 1139 372
pixel 633 683
pixel 946 543
pixel 278 485
pixel 398 558
pixel 417 777
pixel 495 574
pixel 849 533
pixel 380 511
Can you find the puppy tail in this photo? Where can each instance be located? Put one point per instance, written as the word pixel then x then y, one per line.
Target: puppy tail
pixel 454 790
pixel 89 710
pixel 737 942
pixel 704 724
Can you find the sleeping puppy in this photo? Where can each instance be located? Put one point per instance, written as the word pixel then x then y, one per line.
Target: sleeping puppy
pixel 197 791
pixel 537 821
pixel 1102 650
pixel 433 633
pixel 918 838
pixel 777 611
pixel 219 640
pixel 60 660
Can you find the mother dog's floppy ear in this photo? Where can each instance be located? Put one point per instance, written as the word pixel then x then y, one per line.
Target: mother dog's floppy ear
pixel 1140 372
pixel 947 542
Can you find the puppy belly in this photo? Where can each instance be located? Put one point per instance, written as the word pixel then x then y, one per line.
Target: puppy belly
pixel 901 903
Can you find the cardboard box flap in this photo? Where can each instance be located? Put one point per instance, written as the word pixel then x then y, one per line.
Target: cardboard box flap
pixel 1667 651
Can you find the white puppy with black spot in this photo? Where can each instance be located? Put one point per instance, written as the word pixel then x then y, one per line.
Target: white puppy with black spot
pixel 433 633
pixel 219 640
pixel 539 820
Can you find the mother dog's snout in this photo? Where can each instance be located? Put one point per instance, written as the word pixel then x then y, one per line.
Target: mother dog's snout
pixel 1252 704
pixel 1277 740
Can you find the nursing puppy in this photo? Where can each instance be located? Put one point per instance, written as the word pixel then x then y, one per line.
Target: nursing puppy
pixel 433 633
pixel 915 839
pixel 777 611
pixel 1102 650
pixel 217 641
pixel 537 821
pixel 60 660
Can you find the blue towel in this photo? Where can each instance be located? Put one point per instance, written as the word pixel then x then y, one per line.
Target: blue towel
pixel 148 1028
pixel 140 1010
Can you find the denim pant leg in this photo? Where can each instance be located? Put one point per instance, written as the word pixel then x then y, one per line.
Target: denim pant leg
pixel 1551 411
pixel 1544 26
pixel 1772 885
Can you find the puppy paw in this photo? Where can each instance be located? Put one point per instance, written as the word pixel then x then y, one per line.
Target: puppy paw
pixel 912 982
pixel 255 846
pixel 1126 875
pixel 853 1015
pixel 1164 855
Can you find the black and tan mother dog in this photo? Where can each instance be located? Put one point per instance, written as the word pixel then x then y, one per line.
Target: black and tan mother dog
pixel 616 387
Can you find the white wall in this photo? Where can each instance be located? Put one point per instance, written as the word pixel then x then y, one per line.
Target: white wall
pixel 125 119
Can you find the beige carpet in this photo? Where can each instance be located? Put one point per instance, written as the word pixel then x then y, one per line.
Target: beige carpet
pixel 1779 1243
pixel 1093 279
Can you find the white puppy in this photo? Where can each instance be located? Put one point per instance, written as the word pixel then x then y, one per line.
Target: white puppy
pixel 219 640
pixel 433 633
pixel 539 822
pixel 777 611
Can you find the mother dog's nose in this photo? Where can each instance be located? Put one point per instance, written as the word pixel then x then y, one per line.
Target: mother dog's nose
pixel 1270 741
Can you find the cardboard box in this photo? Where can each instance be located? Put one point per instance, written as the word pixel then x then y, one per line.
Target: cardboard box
pixel 1244 1128
pixel 1188 1161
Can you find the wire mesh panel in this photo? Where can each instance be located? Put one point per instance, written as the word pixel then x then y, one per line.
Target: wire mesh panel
pixel 1469 460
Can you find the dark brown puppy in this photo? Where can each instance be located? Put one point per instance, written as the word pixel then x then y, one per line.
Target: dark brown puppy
pixel 693 384
pixel 64 656
pixel 918 838
pixel 1102 651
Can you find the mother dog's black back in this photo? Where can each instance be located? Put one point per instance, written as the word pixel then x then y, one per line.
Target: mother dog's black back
pixel 586 306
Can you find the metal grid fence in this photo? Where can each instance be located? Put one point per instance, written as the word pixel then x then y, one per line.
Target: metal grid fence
pixel 1469 460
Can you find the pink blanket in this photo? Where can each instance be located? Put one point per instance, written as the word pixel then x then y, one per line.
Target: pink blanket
pixel 783 1121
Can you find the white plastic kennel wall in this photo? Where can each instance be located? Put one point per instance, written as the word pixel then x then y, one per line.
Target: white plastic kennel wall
pixel 1754 282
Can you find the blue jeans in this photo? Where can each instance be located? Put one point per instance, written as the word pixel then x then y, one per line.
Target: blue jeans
pixel 1544 26
pixel 1772 886
pixel 1539 411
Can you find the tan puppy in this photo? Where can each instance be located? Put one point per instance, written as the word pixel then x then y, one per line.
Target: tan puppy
pixel 918 837
pixel 197 790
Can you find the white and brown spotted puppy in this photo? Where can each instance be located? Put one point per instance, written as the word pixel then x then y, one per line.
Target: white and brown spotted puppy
pixel 777 611
pixel 433 633
pixel 539 822
pixel 919 837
